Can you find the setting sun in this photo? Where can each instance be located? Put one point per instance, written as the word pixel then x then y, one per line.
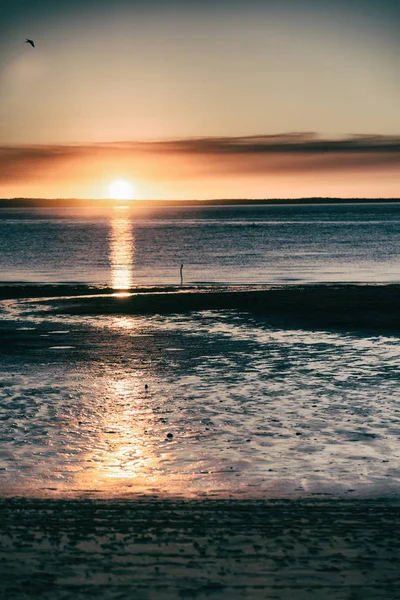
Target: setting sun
pixel 121 190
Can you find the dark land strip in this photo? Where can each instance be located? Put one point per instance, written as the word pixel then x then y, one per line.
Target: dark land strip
pixel 373 309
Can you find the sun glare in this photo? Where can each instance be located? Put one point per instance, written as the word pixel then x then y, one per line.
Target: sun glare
pixel 121 190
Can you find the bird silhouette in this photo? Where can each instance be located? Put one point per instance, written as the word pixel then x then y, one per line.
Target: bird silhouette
pixel 31 42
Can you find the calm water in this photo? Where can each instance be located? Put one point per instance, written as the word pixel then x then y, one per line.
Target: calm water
pixel 126 246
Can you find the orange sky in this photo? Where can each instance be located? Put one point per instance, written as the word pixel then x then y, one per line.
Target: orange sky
pixel 250 167
pixel 103 75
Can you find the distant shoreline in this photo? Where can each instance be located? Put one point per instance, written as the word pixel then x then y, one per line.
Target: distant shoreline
pixel 104 203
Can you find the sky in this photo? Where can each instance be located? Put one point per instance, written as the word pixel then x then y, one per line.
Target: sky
pixel 189 99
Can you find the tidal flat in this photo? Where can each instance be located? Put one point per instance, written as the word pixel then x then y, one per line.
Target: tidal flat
pixel 200 443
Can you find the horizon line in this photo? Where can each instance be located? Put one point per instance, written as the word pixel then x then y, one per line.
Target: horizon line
pixel 136 201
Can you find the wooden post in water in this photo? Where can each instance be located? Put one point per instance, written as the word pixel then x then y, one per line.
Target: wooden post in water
pixel 180 270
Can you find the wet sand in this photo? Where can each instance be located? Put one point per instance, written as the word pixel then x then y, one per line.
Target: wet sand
pixel 254 411
pixel 371 308
pixel 157 549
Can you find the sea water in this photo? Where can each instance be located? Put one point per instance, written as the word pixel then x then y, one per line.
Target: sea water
pixel 127 246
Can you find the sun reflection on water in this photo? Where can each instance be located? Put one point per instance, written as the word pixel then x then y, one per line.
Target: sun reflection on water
pixel 122 249
pixel 122 451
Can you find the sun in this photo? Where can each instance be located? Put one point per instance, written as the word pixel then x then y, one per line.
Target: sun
pixel 121 190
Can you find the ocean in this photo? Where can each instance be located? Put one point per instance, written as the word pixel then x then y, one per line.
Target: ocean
pixel 126 246
pixel 98 399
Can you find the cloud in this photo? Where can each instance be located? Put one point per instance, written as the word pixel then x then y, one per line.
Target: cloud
pixel 298 143
pixel 292 153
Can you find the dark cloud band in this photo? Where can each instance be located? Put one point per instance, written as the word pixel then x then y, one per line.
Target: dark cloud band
pixel 285 153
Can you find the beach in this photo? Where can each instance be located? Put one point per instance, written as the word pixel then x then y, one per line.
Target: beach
pixel 198 485
pixel 156 549
pixel 185 392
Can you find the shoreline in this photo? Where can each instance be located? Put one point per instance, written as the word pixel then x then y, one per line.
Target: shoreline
pixel 39 289
pixel 149 547
pixel 343 307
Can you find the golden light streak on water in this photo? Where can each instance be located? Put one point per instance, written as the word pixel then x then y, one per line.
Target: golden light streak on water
pixel 123 459
pixel 122 249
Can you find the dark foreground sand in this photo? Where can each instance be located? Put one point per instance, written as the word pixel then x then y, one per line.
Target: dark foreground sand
pixel 164 549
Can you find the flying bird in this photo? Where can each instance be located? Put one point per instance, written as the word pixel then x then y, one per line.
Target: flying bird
pixel 31 42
